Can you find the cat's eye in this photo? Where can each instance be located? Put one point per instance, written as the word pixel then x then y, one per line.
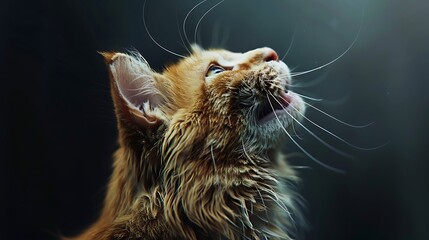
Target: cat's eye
pixel 214 69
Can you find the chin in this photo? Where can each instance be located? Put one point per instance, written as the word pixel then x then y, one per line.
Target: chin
pixel 276 128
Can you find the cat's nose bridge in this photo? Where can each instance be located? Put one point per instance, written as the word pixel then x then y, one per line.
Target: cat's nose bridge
pixel 264 54
pixel 256 57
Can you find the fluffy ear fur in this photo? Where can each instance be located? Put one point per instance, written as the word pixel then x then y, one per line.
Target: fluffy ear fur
pixel 135 91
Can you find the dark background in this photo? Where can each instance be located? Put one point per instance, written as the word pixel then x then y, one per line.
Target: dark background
pixel 58 130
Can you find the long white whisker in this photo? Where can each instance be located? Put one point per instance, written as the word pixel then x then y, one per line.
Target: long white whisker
pixel 334 60
pixel 300 167
pixel 300 147
pixel 312 134
pixel 294 131
pixel 307 97
pixel 181 37
pixel 186 18
pixel 332 134
pixel 202 17
pixel 150 35
pixel 313 82
pixel 290 44
pixel 338 120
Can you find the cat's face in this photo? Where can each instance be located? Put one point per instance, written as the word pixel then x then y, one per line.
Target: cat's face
pixel 246 94
pixel 229 98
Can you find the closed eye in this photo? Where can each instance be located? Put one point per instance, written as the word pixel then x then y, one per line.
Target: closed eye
pixel 214 69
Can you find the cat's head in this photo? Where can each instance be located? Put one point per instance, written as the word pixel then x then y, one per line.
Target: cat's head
pixel 224 97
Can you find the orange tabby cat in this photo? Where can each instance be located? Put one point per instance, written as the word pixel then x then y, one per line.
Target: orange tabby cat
pixel 199 154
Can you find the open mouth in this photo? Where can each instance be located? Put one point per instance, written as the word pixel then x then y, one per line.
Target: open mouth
pixel 277 107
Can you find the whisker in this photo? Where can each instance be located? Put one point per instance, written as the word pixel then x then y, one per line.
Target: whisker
pixel 313 134
pixel 338 120
pixel 300 147
pixel 301 167
pixel 332 134
pixel 290 44
pixel 312 82
pixel 186 18
pixel 334 60
pixel 181 37
pixel 202 17
pixel 294 131
pixel 150 35
pixel 307 97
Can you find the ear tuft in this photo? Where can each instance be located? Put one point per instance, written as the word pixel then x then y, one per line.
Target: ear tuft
pixel 108 56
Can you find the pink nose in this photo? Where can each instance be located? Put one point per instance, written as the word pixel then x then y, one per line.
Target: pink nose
pixel 270 55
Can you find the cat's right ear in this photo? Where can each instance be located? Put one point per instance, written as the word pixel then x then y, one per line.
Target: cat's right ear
pixel 135 91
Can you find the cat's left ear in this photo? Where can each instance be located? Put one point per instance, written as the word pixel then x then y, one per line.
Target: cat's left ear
pixel 136 91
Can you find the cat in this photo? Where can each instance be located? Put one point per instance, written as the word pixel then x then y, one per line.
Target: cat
pixel 200 148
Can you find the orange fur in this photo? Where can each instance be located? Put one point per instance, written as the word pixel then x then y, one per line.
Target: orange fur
pixel 196 165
